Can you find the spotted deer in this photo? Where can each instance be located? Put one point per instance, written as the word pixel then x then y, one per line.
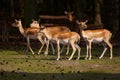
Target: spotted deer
pixel 95 36
pixel 63 38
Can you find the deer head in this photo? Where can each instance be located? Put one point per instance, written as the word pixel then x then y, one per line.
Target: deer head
pixel 69 15
pixel 34 23
pixel 16 23
pixel 82 24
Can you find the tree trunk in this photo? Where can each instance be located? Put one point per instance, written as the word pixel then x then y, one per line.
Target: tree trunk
pixel 116 20
pixel 97 12
pixel 29 10
pixel 12 8
pixel 21 2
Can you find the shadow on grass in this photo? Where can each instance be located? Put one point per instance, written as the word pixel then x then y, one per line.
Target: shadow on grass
pixel 4 75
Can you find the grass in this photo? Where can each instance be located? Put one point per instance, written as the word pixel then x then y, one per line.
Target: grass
pixel 15 65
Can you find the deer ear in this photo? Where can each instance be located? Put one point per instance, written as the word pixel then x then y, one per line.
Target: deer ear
pixel 77 22
pixel 65 12
pixel 72 12
pixel 15 20
pixel 39 20
pixel 42 26
pixel 33 20
pixel 19 19
pixel 86 21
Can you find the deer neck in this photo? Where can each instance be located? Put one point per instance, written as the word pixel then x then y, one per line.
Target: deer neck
pixel 21 29
pixel 71 18
pixel 85 34
pixel 47 33
pixel 82 32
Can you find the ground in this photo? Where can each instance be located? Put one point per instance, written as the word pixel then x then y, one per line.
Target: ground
pixel 15 64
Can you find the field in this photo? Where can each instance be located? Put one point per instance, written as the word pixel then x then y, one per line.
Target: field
pixel 16 65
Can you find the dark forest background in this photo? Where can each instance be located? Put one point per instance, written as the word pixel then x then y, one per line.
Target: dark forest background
pixel 99 13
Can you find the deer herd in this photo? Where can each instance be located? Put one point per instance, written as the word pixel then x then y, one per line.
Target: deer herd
pixel 62 35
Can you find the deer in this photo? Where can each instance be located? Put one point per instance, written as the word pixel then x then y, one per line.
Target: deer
pixel 29 33
pixel 69 15
pixel 71 38
pixel 95 36
pixel 72 20
pixel 52 29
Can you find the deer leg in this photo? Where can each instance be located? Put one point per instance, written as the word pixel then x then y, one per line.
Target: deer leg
pixel 46 51
pixel 43 43
pixel 87 51
pixel 52 48
pixel 110 46
pixel 79 49
pixel 68 48
pixel 90 51
pixel 58 49
pixel 105 48
pixel 62 48
pixel 28 44
pixel 26 51
pixel 111 55
pixel 74 49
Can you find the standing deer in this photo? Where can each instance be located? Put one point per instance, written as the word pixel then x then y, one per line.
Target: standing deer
pixel 70 15
pixel 51 30
pixel 72 20
pixel 95 36
pixel 29 33
pixel 63 38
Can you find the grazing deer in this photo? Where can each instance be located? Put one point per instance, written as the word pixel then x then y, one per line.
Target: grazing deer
pixel 63 38
pixel 51 30
pixel 29 33
pixel 95 36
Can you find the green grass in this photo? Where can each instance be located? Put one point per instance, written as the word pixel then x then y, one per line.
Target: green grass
pixel 15 65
